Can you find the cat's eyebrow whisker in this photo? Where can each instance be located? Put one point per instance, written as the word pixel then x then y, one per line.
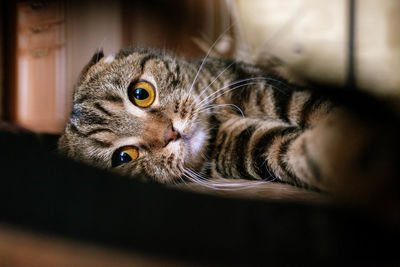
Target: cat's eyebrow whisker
pixel 217 93
pixel 209 85
pixel 251 79
pixel 231 84
pixel 226 86
pixel 206 56
pixel 211 106
pixel 223 93
pixel 215 112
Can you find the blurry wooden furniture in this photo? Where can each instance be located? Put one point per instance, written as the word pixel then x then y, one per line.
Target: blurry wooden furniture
pixel 55 39
pixel 41 56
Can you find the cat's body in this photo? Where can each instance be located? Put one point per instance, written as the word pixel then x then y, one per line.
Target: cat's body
pixel 146 113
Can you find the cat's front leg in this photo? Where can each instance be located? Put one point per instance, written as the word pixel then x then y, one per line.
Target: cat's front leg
pixel 247 148
pixel 350 157
pixel 342 154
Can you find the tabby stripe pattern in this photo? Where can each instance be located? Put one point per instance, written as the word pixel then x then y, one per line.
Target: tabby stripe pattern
pixel 254 121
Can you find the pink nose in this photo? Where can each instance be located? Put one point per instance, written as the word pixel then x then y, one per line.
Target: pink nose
pixel 170 134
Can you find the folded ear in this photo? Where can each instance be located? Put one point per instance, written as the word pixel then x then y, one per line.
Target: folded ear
pixel 99 54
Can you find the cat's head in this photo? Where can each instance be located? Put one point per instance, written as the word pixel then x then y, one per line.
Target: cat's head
pixel 133 113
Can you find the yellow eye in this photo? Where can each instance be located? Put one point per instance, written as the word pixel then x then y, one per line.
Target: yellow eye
pixel 124 155
pixel 142 93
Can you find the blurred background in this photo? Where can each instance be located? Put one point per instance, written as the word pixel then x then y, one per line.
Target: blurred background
pixel 45 44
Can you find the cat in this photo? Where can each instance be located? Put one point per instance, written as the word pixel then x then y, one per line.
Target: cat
pixel 220 125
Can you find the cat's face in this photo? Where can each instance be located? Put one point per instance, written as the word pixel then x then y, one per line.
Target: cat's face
pixel 133 113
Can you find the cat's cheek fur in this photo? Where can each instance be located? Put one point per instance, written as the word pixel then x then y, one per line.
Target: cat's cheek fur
pixel 195 150
pixel 197 141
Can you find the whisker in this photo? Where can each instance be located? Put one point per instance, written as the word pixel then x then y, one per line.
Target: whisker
pixel 210 107
pixel 201 104
pixel 231 84
pixel 228 85
pixel 223 93
pixel 245 84
pixel 255 78
pixel 201 180
pixel 205 58
pixel 271 174
pixel 209 85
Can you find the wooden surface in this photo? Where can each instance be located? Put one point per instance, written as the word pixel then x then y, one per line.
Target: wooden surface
pixel 21 248
pixel 52 194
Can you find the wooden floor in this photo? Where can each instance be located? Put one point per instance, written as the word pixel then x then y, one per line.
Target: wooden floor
pixel 23 248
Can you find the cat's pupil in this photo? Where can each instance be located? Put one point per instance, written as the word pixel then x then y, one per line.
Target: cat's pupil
pixel 124 157
pixel 141 94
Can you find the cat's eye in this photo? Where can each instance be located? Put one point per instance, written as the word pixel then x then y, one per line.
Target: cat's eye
pixel 124 155
pixel 141 93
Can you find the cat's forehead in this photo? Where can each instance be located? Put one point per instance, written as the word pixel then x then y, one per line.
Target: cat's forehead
pixel 121 70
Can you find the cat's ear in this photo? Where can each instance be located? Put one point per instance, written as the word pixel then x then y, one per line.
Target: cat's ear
pixel 99 54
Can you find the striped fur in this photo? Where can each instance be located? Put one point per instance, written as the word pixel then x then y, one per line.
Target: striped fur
pixel 236 121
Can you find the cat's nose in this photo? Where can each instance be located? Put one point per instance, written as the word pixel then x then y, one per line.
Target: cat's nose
pixel 170 134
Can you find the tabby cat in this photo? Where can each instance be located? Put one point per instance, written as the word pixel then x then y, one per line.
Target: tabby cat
pixel 220 125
